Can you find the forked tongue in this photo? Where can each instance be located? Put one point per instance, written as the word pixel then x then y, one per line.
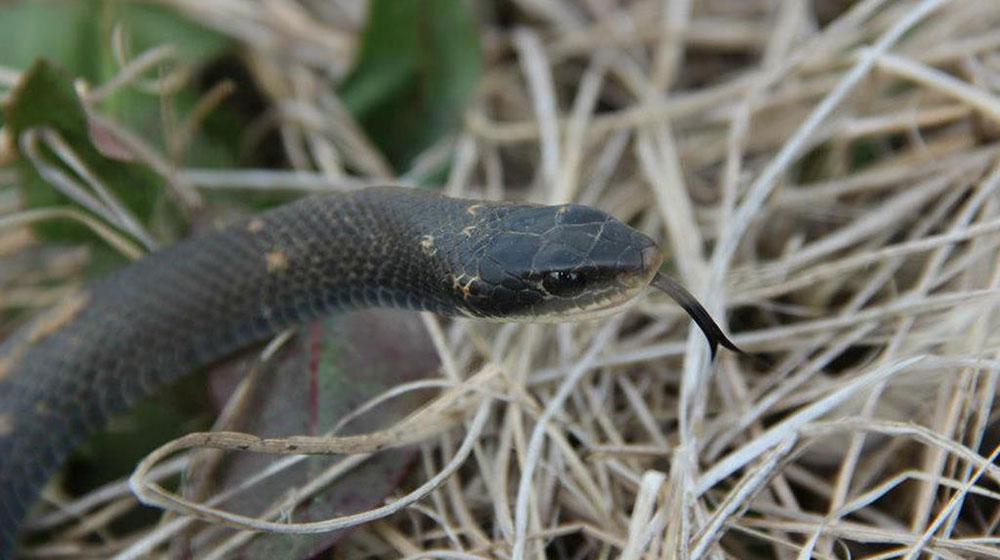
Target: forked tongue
pixel 701 317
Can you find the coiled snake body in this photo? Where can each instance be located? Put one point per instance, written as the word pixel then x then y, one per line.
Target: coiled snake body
pixel 189 305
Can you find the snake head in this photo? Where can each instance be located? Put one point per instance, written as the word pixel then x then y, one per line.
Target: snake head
pixel 555 264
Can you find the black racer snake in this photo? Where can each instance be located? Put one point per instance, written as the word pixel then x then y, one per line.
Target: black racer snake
pixel 192 304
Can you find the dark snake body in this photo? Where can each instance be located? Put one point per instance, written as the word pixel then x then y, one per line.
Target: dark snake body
pixel 192 304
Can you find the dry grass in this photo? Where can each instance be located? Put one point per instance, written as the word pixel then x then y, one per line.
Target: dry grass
pixel 830 182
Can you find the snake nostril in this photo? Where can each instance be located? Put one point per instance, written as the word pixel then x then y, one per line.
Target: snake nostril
pixel 652 258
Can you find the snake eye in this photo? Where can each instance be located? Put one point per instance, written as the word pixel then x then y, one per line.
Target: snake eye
pixel 566 283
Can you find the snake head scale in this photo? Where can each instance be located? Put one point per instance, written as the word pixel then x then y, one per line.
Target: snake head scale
pixel 564 263
pixel 551 264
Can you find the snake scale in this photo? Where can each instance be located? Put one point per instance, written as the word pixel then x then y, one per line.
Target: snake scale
pixel 197 302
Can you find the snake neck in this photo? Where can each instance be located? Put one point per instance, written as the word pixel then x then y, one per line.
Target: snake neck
pixel 192 304
pixel 386 247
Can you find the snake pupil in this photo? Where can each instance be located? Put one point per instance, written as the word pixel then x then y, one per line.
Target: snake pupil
pixel 564 283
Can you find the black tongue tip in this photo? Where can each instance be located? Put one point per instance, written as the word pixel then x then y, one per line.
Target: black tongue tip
pixel 701 317
pixel 729 345
pixel 720 339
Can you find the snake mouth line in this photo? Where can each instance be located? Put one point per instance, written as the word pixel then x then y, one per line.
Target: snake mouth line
pixel 614 303
pixel 624 295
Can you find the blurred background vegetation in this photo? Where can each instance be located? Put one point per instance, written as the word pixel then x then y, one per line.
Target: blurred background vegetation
pixel 847 150
pixel 110 109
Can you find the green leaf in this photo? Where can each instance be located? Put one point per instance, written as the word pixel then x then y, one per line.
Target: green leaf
pixel 418 65
pixel 149 25
pixel 59 31
pixel 77 35
pixel 45 98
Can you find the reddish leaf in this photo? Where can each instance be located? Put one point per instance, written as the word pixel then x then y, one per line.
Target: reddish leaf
pixel 330 369
pixel 106 142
